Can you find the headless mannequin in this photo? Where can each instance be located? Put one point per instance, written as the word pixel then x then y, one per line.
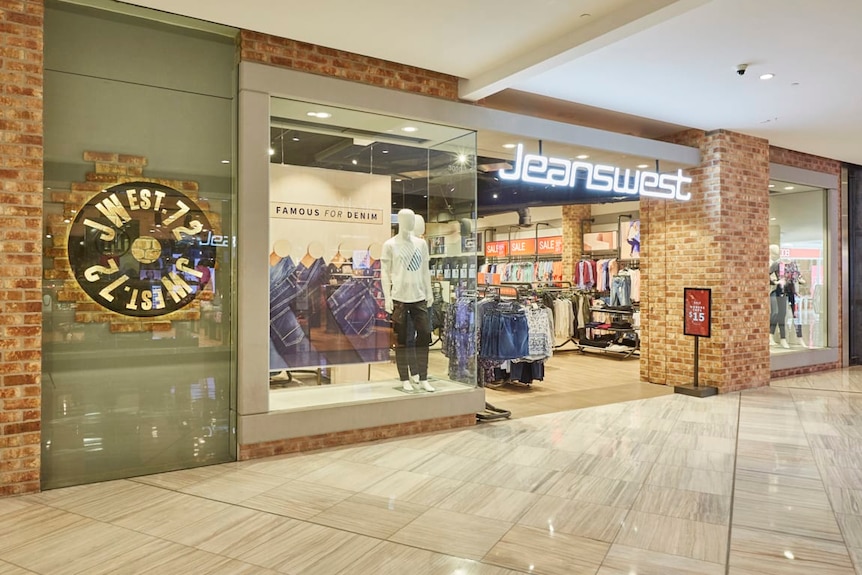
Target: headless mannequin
pixel 777 298
pixel 406 282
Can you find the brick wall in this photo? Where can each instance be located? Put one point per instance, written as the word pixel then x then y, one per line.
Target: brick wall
pixel 275 51
pixel 297 444
pixel 718 240
pixel 787 157
pixel 20 244
pixel 573 241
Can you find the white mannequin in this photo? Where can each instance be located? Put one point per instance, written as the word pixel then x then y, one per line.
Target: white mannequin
pixel 406 281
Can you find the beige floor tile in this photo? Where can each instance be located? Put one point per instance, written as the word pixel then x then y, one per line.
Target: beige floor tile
pixel 544 553
pixel 701 443
pixel 851 527
pixel 710 461
pixel 177 480
pixel 310 549
pixel 66 552
pixel 234 532
pixel 234 567
pixel 688 479
pixel 34 522
pixel 105 501
pixel 489 501
pixel 838 458
pixel 452 533
pixel 512 476
pixel 403 458
pixel 691 505
pixel 450 466
pixel 9 569
pixel 395 559
pixel 287 467
pixel 701 541
pixel 554 514
pixel 755 552
pixel 177 560
pixel 163 515
pixel 298 499
pixel 235 486
pixel 415 488
pixel 139 559
pixel 611 468
pixel 752 486
pixel 347 475
pixel 622 560
pixel 595 490
pixel 782 518
pixel 846 477
pixel 477 448
pixel 370 515
pixel 606 447
pixel 778 466
pixel 856 558
pixel 541 457
pixel 843 500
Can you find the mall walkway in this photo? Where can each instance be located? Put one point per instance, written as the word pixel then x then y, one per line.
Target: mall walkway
pixel 763 482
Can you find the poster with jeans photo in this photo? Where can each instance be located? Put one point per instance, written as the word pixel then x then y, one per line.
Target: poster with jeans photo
pixel 630 232
pixel 325 298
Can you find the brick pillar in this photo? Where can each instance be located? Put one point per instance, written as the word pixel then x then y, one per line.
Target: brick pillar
pixel 718 240
pixel 20 256
pixel 573 241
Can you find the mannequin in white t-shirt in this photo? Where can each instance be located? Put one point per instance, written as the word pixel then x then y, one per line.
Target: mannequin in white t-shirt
pixel 406 282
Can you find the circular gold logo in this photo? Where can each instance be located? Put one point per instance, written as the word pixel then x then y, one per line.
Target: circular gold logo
pixel 142 249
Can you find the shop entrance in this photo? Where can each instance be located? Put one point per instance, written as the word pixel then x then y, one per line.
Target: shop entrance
pixel 568 249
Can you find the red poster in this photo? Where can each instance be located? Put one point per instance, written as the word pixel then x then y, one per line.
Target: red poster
pixel 552 245
pixel 697 304
pixel 522 247
pixel 496 249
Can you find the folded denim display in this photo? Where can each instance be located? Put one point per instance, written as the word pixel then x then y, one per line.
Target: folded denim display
pixel 354 308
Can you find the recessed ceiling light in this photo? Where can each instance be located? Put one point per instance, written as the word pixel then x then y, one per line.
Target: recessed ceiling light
pixel 271 152
pixel 767 76
pixel 495 196
pixel 583 157
pixel 788 188
pixel 354 162
pixel 66 220
pixel 225 161
pixel 385 151
pixel 49 236
pixel 789 555
pixel 295 139
pixel 771 185
pixel 321 115
pixel 772 219
pixel 509 146
pixel 462 158
pixel 397 179
pixel 643 166
pixel 409 129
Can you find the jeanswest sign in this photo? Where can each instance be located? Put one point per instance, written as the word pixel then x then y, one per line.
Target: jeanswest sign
pixel 535 169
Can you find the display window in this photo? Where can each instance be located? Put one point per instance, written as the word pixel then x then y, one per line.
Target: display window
pixel 798 260
pixel 372 256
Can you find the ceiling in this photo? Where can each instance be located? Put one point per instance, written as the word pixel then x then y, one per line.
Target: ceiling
pixel 662 63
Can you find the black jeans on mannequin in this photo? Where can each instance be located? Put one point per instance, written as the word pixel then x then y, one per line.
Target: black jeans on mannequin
pixel 778 314
pixel 413 359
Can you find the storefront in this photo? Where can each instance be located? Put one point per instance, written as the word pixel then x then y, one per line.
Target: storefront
pixel 213 272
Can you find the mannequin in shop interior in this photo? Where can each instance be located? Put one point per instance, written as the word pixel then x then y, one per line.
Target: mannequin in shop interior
pixel 406 282
pixel 778 294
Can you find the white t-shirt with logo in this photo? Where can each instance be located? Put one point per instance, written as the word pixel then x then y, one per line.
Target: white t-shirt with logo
pixel 406 260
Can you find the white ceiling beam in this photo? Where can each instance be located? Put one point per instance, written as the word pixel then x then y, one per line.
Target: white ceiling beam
pixel 636 17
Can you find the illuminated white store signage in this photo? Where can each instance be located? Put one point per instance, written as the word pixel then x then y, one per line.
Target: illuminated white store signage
pixel 535 169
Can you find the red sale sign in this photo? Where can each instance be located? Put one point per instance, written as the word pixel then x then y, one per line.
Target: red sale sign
pixel 496 249
pixel 697 310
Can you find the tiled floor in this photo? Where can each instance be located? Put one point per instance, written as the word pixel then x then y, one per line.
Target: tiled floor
pixel 759 483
